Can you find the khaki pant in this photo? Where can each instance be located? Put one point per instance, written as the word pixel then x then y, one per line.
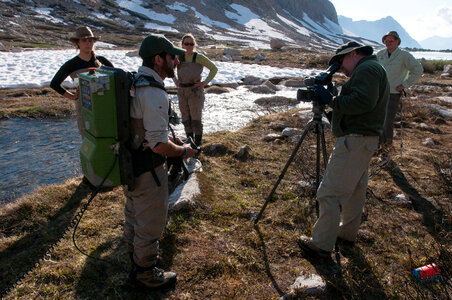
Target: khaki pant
pixel 191 104
pixel 391 111
pixel 342 192
pixel 145 214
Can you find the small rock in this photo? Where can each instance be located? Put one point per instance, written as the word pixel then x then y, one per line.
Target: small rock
pixel 244 153
pixel 231 52
pixel 216 90
pixel 429 142
pixel 277 44
pixel 440 121
pixel 293 83
pixel 289 132
pixel 262 89
pixel 132 53
pixel 232 85
pixel 226 58
pixel 276 101
pixel 401 198
pixel 214 149
pixel 277 126
pixel 270 85
pixel 271 137
pixel 307 285
pixel 425 127
pixel 252 80
pixel 2 47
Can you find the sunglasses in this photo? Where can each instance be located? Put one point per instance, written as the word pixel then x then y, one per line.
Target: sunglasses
pixel 189 44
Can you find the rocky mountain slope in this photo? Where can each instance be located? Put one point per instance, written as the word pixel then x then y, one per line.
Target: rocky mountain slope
pixel 374 30
pixel 306 23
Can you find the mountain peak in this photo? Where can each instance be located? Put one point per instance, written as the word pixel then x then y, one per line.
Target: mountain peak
pixel 312 24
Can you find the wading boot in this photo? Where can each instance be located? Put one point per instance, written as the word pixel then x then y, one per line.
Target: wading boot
pixel 198 139
pixel 153 278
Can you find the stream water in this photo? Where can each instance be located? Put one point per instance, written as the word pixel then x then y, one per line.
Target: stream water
pixel 36 152
pixel 41 152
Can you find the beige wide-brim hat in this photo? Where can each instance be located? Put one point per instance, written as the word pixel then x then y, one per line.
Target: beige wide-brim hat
pixel 83 32
pixel 394 34
pixel 349 47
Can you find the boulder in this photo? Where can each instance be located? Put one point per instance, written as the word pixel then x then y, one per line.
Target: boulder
pixel 447 71
pixel 275 101
pixel 232 85
pixel 272 136
pixel 226 58
pixel 429 142
pixel 132 53
pixel 289 132
pixel 277 126
pixel 216 149
pixel 231 52
pixel 262 89
pixel 216 90
pixel 425 127
pixel 293 83
pixel 306 286
pixel 259 57
pixel 244 153
pixel 270 85
pixel 252 80
pixel 277 44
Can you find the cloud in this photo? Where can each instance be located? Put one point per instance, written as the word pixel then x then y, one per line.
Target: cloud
pixel 445 13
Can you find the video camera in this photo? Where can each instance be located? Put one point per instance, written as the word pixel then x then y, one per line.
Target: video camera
pixel 308 94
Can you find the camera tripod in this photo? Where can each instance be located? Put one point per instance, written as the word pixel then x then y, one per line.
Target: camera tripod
pixel 317 124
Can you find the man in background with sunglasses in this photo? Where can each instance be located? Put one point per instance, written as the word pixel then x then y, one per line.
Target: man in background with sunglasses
pixel 403 70
pixel 147 204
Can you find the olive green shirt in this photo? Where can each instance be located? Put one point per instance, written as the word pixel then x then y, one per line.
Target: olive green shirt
pixel 360 108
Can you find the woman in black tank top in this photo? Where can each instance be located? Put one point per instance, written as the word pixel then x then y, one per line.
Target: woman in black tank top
pixel 84 41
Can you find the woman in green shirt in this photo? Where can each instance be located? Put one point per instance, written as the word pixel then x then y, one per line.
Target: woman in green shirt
pixel 191 87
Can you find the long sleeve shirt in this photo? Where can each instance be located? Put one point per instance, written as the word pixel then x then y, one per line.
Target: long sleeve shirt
pixel 151 105
pixel 401 67
pixel 72 68
pixel 360 108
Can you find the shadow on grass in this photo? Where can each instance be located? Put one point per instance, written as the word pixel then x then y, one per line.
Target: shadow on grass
pixel 108 277
pixel 433 218
pixel 359 283
pixel 267 265
pixel 22 256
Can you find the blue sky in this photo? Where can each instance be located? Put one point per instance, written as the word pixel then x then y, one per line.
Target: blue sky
pixel 420 18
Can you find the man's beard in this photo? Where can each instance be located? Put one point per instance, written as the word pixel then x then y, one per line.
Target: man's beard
pixel 168 70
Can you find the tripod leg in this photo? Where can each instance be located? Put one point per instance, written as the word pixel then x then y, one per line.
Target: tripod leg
pixel 325 154
pixel 281 176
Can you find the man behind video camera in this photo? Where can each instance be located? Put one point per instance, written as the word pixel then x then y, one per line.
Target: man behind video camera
pixel 357 122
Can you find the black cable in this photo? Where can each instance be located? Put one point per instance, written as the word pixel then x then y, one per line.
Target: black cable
pixel 78 217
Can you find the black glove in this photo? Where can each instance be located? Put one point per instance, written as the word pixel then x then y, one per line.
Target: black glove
pixel 325 96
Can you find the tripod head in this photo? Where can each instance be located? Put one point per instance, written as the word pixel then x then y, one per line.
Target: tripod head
pixel 308 93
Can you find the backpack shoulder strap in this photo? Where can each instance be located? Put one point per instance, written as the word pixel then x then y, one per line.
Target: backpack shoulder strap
pixel 195 54
pixel 145 80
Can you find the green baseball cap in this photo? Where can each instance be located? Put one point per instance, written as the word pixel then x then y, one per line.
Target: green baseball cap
pixel 155 44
